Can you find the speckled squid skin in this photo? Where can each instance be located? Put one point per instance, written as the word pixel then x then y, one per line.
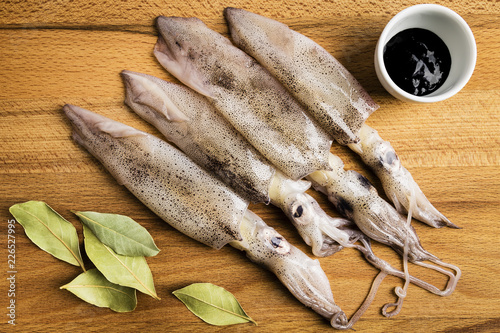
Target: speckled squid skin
pixel 187 119
pixel 200 206
pixel 162 177
pixel 248 96
pixel 302 275
pixel 330 93
pixel 355 198
pixel 396 180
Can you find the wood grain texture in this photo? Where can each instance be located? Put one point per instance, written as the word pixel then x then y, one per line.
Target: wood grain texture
pixel 54 53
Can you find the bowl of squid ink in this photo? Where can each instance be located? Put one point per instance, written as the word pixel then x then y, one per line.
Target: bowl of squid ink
pixel 425 54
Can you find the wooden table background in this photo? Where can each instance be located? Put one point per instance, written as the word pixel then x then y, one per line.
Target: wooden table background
pixel 57 52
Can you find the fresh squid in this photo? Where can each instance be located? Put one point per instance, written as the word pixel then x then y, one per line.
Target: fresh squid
pixel 241 90
pixel 187 119
pixel 199 205
pixel 396 180
pixel 332 96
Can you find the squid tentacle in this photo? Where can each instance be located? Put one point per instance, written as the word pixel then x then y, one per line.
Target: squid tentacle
pixel 355 198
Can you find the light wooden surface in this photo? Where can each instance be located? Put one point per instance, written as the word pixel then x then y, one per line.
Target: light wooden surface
pixel 52 53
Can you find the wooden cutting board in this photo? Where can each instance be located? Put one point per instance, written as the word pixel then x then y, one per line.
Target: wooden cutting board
pixel 52 53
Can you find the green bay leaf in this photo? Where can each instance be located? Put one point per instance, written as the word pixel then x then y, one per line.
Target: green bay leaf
pixel 126 271
pixel 95 289
pixel 121 233
pixel 213 304
pixel 49 230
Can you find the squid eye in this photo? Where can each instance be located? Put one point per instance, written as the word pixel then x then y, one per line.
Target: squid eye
pixel 279 245
pixel 387 156
pixel 391 157
pixel 364 181
pixel 343 206
pixel 276 241
pixel 298 212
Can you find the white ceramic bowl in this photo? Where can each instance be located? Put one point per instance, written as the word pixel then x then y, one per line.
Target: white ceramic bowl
pixel 455 33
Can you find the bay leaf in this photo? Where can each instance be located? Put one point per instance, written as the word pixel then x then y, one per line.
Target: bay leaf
pixel 121 233
pixel 94 288
pixel 213 304
pixel 49 231
pixel 126 271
